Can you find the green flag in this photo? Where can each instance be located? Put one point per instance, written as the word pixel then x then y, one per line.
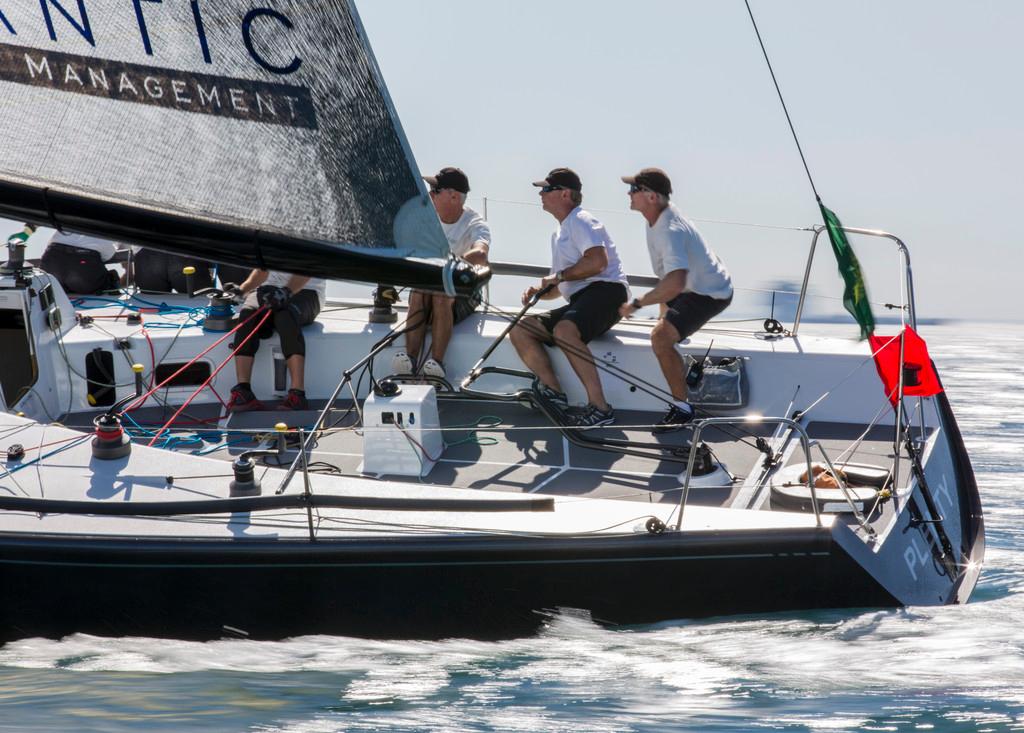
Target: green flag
pixel 855 297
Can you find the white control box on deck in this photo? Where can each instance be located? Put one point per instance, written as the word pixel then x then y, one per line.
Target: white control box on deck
pixel 402 433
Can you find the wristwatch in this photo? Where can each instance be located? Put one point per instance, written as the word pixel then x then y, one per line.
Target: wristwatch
pixel 559 277
pixel 636 303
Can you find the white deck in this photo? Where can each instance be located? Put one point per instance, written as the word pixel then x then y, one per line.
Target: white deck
pixel 74 474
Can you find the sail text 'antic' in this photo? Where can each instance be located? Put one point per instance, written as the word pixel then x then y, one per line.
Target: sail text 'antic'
pixel 263 22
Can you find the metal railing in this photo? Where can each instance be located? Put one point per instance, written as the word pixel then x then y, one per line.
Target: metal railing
pixel 806 441
pixel 904 252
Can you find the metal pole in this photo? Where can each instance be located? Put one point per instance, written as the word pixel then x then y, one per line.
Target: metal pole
pixel 307 492
pixel 807 279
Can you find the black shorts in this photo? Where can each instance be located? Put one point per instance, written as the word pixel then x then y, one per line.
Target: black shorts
pixel 463 306
pixel 302 310
pixel 689 311
pixel 78 270
pixel 594 310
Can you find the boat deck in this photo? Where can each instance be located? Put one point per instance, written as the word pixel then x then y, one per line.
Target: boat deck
pixel 503 446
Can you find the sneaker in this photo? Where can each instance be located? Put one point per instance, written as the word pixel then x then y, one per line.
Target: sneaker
pixel 243 400
pixel 674 419
pixel 433 368
pixel 401 363
pixel 295 400
pixel 592 417
pixel 552 396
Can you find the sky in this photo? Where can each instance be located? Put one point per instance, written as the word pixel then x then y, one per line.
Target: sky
pixel 910 115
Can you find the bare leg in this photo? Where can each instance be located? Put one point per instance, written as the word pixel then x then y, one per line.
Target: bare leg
pixel 527 340
pixel 243 368
pixel 297 371
pixel 567 337
pixel 441 325
pixel 417 320
pixel 664 338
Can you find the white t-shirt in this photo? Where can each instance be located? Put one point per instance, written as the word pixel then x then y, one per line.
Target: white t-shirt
pixel 106 248
pixel 280 279
pixel 675 244
pixel 467 231
pixel 579 232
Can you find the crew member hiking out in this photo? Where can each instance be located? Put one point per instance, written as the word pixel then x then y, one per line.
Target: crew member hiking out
pixel 693 285
pixel 586 269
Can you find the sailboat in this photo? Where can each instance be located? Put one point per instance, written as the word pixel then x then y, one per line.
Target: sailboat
pixel 265 137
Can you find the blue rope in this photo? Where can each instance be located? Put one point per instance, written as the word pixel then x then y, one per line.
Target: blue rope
pixel 54 452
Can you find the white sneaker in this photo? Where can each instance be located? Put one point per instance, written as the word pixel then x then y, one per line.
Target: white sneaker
pixel 433 368
pixel 401 363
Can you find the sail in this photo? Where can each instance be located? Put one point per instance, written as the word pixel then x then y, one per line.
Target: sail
pixel 262 125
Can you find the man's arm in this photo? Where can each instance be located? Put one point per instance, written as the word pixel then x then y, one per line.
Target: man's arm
pixel 297 283
pixel 255 279
pixel 669 287
pixel 592 263
pixel 477 254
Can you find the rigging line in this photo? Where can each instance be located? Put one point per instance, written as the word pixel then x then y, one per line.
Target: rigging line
pixel 267 313
pixel 782 227
pixel 139 402
pixel 782 100
pixel 845 379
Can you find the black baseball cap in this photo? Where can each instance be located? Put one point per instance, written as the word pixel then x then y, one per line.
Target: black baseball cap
pixel 564 177
pixel 654 179
pixel 452 178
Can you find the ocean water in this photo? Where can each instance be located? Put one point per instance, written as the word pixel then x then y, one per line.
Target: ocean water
pixel 915 669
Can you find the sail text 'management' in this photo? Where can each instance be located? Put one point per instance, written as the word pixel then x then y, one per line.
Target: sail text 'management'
pixel 240 99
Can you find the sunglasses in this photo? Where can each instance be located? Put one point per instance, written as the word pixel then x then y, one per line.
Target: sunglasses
pixel 549 189
pixel 436 191
pixel 633 188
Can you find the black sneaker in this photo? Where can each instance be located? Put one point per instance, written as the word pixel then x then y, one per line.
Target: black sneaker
pixel 592 417
pixel 295 400
pixel 243 400
pixel 552 396
pixel 674 419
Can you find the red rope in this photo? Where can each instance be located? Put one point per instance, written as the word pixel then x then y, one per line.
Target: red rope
pixel 216 371
pixel 142 400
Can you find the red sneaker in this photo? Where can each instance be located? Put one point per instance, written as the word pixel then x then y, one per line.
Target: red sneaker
pixel 243 400
pixel 294 401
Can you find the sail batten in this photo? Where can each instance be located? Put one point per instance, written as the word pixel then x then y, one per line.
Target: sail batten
pixel 271 119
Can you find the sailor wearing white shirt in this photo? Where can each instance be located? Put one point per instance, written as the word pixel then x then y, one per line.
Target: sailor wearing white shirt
pixel 469 237
pixel 294 301
pixel 77 261
pixel 586 268
pixel 693 283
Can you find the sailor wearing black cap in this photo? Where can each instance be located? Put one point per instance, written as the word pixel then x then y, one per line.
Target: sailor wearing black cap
pixel 588 273
pixel 694 284
pixel 469 237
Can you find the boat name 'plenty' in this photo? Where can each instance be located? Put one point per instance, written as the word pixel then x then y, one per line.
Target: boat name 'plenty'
pixel 240 99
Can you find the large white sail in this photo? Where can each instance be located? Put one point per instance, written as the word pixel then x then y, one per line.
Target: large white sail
pixel 267 116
